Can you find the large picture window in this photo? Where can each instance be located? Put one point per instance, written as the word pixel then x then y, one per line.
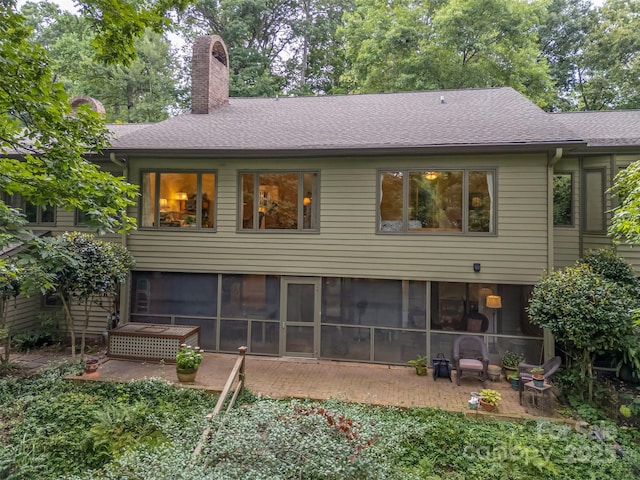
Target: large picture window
pixel 279 201
pixel 178 200
pixel 455 201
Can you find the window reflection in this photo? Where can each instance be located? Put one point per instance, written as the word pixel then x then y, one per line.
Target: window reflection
pixel 279 201
pixel 432 201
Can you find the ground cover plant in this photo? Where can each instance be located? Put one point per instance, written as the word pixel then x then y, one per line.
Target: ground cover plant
pixel 53 428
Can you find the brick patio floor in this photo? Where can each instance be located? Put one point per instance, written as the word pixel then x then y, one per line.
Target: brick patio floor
pixel 314 379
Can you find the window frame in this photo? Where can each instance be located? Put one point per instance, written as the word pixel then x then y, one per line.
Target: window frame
pixel 156 204
pixel 586 202
pixel 406 173
pixel 255 228
pixel 572 215
pixel 17 201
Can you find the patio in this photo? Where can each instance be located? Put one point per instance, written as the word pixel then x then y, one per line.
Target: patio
pixel 315 379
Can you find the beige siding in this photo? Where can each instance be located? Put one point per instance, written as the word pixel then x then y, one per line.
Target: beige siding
pixel 347 244
pixel 22 313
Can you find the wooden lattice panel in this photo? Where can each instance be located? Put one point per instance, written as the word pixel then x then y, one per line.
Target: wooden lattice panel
pixel 151 341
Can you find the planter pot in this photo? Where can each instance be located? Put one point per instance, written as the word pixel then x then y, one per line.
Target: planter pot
pixel 538 382
pixel 515 384
pixel 91 365
pixel 509 371
pixel 473 405
pixel 186 375
pixel 487 407
pixel 422 371
pixel 494 372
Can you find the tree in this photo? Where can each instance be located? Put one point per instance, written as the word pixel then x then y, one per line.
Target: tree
pixel 403 45
pixel 588 310
pixel 625 223
pixel 563 34
pixel 144 90
pixel 35 124
pixel 84 271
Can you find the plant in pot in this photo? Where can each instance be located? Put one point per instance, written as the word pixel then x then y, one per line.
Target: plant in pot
pixel 510 362
pixel 489 399
pixel 188 360
pixel 420 364
pixel 537 374
pixel 514 378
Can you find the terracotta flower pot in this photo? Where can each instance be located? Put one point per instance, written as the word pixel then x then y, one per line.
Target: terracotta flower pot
pixel 486 406
pixel 91 365
pixel 186 375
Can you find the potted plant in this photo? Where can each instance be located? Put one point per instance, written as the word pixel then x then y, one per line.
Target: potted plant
pixel 510 362
pixel 420 364
pixel 188 360
pixel 489 399
pixel 537 373
pixel 514 378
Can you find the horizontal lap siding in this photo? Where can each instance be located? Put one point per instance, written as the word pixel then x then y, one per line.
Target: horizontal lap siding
pixel 348 244
pixel 22 313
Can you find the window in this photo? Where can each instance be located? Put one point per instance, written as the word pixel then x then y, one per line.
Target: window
pixel 562 199
pixel 457 201
pixel 594 201
pixel 35 214
pixel 279 201
pixel 80 218
pixel 178 200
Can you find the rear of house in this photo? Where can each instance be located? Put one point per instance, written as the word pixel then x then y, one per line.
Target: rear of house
pixel 368 228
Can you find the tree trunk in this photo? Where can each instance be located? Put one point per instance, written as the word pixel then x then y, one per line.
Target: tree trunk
pixel 70 326
pixel 87 313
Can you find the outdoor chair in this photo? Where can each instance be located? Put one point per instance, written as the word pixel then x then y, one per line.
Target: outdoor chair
pixel 550 367
pixel 471 358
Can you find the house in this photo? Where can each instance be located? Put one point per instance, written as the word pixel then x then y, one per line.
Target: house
pixel 367 228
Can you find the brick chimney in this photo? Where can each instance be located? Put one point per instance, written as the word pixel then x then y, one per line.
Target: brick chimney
pixel 94 104
pixel 209 74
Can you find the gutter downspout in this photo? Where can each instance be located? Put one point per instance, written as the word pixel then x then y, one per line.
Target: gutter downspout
pixel 549 342
pixel 124 288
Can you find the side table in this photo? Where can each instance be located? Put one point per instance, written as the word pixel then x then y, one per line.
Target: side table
pixel 538 400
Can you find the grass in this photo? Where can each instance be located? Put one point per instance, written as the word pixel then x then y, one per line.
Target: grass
pixel 54 429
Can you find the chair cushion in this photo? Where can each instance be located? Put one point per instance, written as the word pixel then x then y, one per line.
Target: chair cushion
pixel 470 364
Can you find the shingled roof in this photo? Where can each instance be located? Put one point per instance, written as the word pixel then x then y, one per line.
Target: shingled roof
pixel 608 128
pixel 481 119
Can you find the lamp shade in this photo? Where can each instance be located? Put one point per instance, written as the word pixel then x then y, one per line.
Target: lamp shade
pixel 182 196
pixel 494 301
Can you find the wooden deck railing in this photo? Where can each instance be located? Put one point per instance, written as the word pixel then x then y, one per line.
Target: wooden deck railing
pixel 236 376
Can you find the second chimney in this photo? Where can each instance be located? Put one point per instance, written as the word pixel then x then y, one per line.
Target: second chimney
pixel 209 74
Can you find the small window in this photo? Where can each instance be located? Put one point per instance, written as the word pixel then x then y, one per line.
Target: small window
pixel 594 221
pixel 279 201
pixel 51 299
pixel 562 199
pixel 437 201
pixel 80 218
pixel 178 200
pixel 35 214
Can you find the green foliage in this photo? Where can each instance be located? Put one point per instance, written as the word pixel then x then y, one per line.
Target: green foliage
pixel 55 429
pixel 607 263
pixel 586 312
pixel 625 223
pixel 420 364
pixel 512 359
pixel 492 397
pixel 402 46
pixel 188 357
pixel 36 121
